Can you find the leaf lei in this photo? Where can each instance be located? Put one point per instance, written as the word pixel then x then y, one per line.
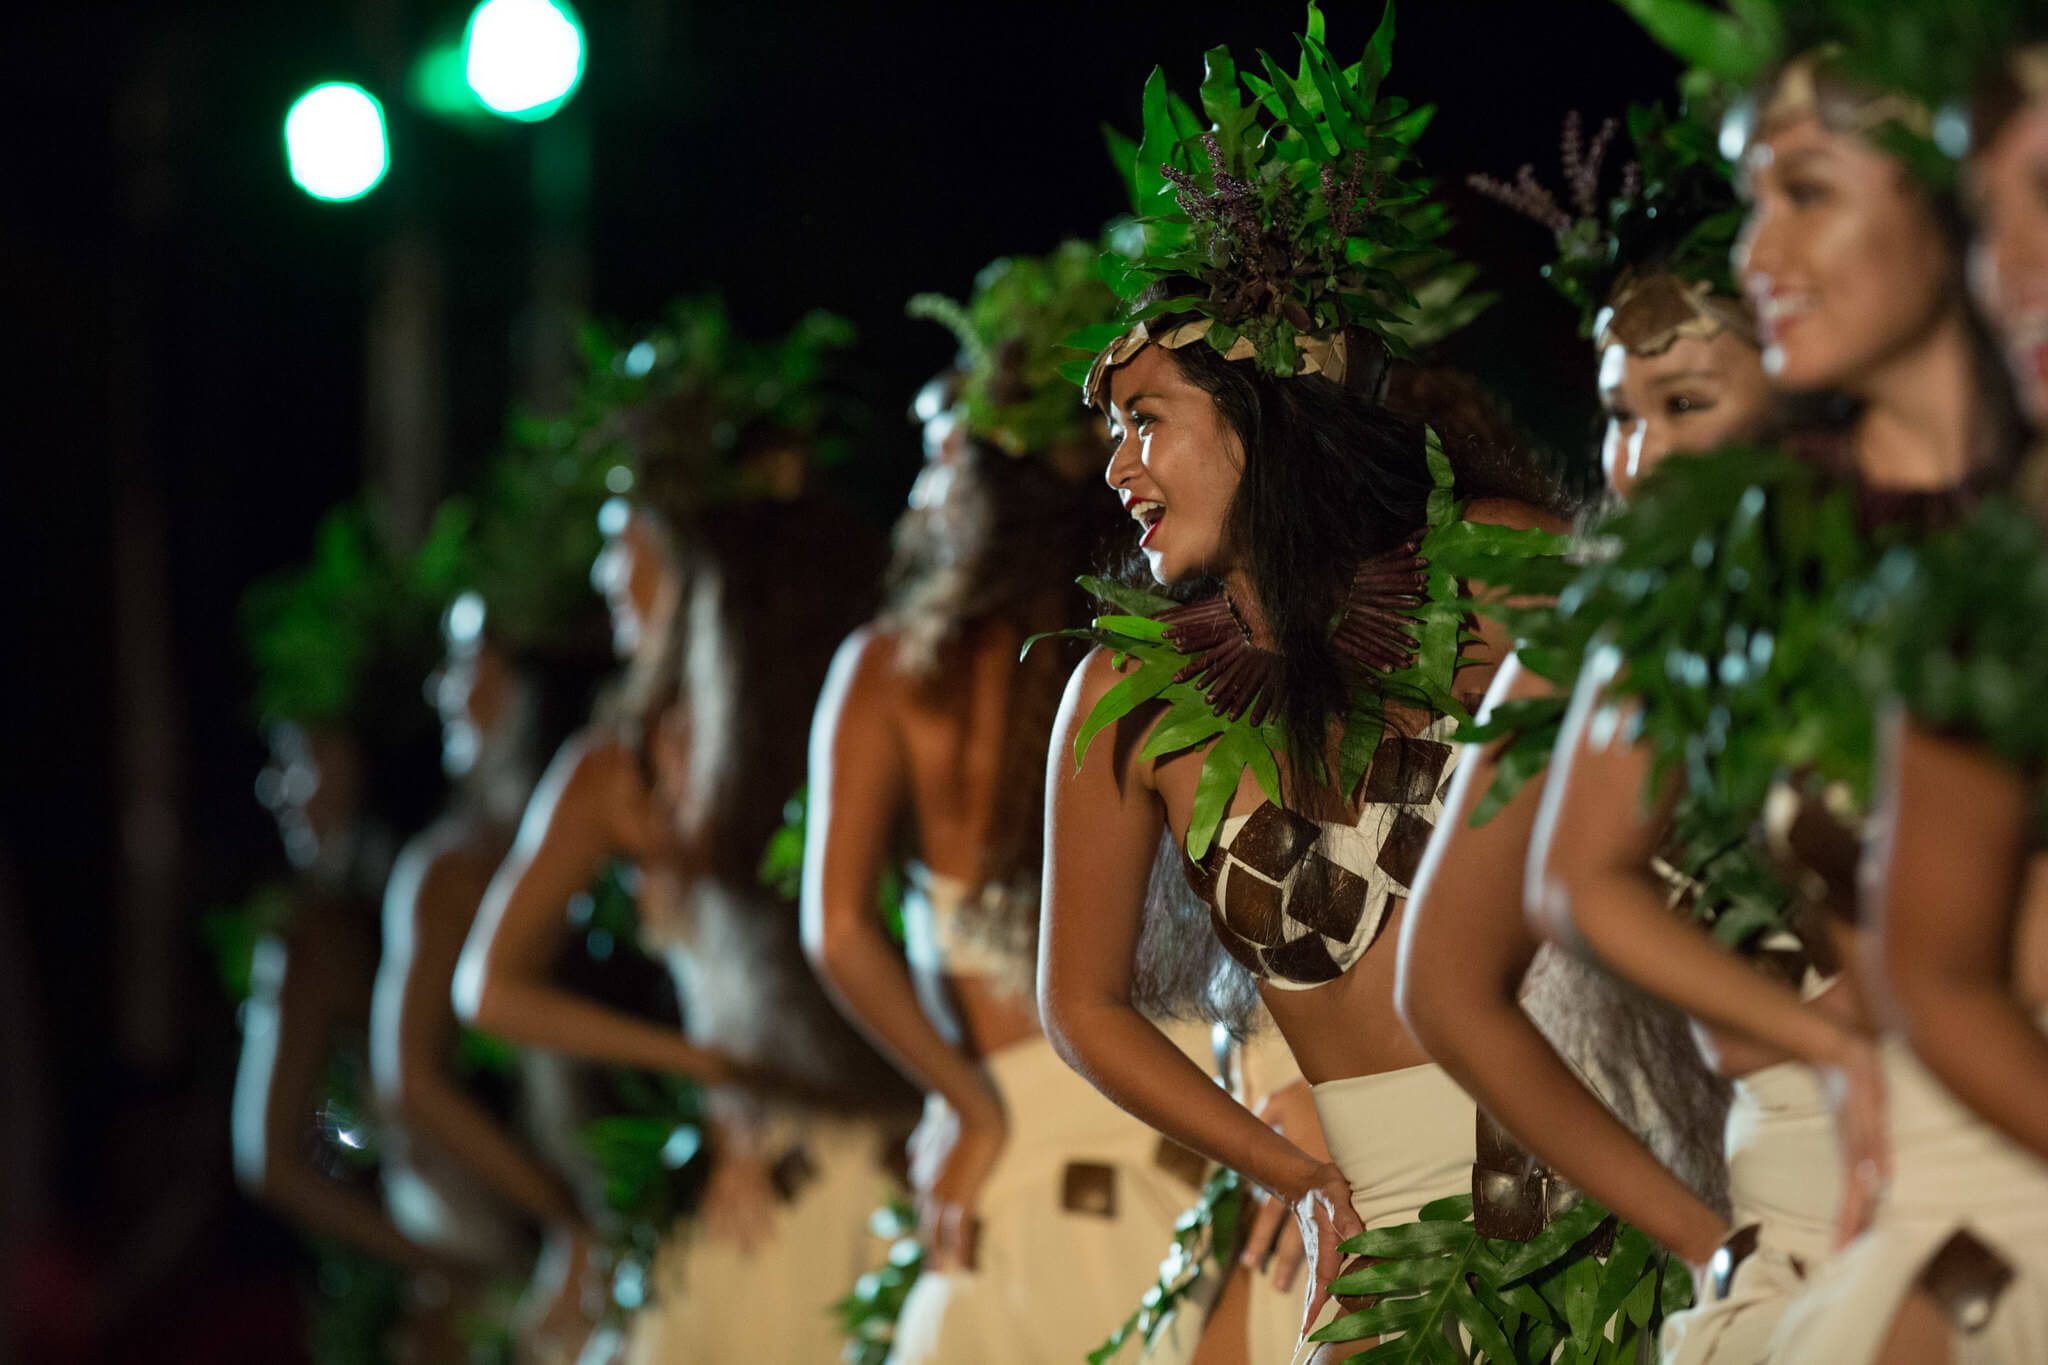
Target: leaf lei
pixel 1239 742
pixel 1552 1297
pixel 1960 640
pixel 869 1311
pixel 1207 1234
pixel 1737 587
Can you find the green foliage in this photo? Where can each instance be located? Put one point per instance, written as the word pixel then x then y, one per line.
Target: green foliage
pixel 1011 331
pixel 356 1302
pixel 676 403
pixel 1234 745
pixel 1960 641
pixel 1674 208
pixel 234 932
pixel 1736 586
pixel 1206 1236
pixel 1554 1298
pixel 349 638
pixel 1286 207
pixel 869 1311
pixel 1931 51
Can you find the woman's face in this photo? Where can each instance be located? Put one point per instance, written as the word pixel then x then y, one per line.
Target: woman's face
pixel 472 692
pixel 1840 256
pixel 2008 184
pixel 1175 463
pixel 311 787
pixel 634 574
pixel 945 443
pixel 1698 394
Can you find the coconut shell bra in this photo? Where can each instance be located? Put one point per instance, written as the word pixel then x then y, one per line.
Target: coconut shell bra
pixel 1297 901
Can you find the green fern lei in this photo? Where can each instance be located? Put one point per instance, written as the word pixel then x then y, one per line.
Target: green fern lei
pixel 1738 587
pixel 1206 1234
pixel 1961 643
pixel 1550 1299
pixel 869 1311
pixel 1234 745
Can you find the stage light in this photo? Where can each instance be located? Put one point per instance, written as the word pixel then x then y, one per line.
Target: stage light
pixel 523 58
pixel 334 142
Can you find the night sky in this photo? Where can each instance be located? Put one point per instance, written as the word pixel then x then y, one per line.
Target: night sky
pixel 183 319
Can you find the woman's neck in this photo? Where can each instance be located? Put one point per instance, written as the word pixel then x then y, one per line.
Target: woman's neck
pixel 1915 431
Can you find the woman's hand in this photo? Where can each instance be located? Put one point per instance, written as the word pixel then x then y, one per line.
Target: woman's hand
pixel 739 1198
pixel 951 1157
pixel 1854 1084
pixel 1273 1242
pixel 1324 1214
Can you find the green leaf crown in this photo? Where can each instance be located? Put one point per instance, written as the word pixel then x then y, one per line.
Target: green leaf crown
pixel 683 406
pixel 1288 217
pixel 1917 58
pixel 1673 210
pixel 347 640
pixel 1010 331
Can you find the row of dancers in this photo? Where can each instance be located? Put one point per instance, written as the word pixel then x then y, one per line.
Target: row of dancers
pixel 1341 892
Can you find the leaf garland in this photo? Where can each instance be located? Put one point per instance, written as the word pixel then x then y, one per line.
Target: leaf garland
pixel 1235 744
pixel 870 1309
pixel 1206 1235
pixel 1555 1298
pixel 1285 208
pixel 1960 641
pixel 1737 586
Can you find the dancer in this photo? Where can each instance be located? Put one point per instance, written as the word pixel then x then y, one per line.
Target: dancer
pixel 1756 556
pixel 1032 1189
pixel 1954 1264
pixel 728 628
pixel 458 1176
pixel 1547 1046
pixel 339 648
pixel 1300 771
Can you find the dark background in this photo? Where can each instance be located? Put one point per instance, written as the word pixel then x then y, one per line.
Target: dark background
pixel 186 373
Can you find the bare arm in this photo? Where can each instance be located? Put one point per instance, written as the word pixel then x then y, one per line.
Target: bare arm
pixel 858 786
pixel 501 981
pixel 1590 889
pixel 1953 860
pixel 294 1013
pixel 428 906
pixel 1465 948
pixel 1102 828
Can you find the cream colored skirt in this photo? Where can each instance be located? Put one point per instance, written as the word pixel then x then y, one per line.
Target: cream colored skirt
pixel 1403 1139
pixel 714 1304
pixel 1082 1200
pixel 1952 1174
pixel 1784 1179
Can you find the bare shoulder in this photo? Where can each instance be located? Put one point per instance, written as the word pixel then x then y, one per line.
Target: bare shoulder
pixel 1515 514
pixel 440 874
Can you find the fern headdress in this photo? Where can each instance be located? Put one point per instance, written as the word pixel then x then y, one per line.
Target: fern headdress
pixel 1280 229
pixel 1010 331
pixel 1649 263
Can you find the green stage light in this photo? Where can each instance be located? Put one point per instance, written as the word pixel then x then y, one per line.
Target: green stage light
pixel 523 58
pixel 334 142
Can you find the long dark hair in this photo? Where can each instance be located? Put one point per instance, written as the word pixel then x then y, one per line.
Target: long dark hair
pixel 1333 475
pixel 1004 549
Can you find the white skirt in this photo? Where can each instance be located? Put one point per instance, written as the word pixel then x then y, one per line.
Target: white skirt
pixel 714 1304
pixel 1784 1179
pixel 1952 1174
pixel 1403 1139
pixel 1082 1200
